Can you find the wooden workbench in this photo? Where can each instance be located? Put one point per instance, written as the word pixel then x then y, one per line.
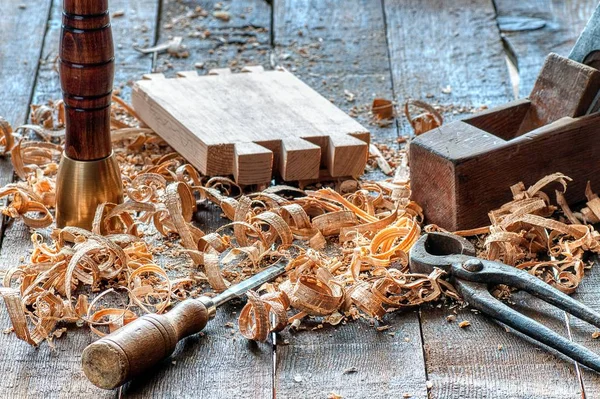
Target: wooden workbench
pixel 387 48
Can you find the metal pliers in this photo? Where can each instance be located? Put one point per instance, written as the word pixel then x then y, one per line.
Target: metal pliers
pixel 472 277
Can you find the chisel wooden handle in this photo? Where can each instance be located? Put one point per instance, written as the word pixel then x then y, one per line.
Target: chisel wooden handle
pixel 128 352
pixel 86 66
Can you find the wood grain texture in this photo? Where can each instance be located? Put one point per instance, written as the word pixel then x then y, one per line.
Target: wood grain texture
pixel 87 66
pixel 18 68
pixel 353 360
pixel 299 159
pixel 562 88
pixel 243 40
pixel 43 372
pixel 457 169
pixel 219 123
pixel 485 361
pixel 335 48
pixel 341 52
pixel 532 29
pixel 588 293
pixel 18 63
pixel 457 45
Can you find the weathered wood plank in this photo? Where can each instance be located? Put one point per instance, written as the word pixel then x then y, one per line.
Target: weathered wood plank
pixel 435 44
pixel 589 293
pixel 43 372
pixel 334 49
pixel 485 361
pixel 19 58
pixel 532 29
pixel 216 363
pixel 243 39
pixel 18 68
pixel 447 53
pixel 353 360
pixel 339 51
pixel 19 61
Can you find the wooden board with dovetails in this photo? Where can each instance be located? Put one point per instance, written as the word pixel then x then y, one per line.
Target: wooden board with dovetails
pixel 252 125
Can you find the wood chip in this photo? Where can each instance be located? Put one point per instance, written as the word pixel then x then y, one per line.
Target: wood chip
pixel 222 15
pixel 464 323
pixel 428 119
pixel 383 109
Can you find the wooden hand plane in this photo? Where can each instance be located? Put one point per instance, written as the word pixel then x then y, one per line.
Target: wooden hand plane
pixel 461 171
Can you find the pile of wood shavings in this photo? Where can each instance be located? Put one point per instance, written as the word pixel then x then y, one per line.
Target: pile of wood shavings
pixel 529 234
pixel 71 271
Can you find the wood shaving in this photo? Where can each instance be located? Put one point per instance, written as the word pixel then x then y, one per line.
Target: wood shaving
pixel 527 234
pixel 383 109
pixel 107 277
pixel 222 15
pixel 174 47
pixel 428 119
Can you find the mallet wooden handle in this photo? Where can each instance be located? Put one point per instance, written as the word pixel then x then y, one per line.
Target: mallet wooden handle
pixel 117 358
pixel 86 67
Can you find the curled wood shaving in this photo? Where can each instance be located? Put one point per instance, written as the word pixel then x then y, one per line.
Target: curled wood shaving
pixel 425 121
pixel 347 247
pixel 383 109
pixel 7 139
pixel 526 234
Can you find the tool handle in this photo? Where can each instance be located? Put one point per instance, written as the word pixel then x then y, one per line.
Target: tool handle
pixel 136 347
pixel 86 67
pixel 478 296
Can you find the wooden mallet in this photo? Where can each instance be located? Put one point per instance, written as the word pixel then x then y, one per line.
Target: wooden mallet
pixel 88 174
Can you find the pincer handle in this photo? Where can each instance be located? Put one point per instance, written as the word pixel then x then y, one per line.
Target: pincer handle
pixel 133 349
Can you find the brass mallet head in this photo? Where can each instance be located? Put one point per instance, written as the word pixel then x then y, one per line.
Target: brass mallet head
pixel 82 185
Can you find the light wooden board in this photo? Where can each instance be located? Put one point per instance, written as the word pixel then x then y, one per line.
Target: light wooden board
pixel 251 124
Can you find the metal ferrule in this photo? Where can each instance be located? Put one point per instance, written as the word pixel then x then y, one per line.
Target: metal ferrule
pixel 210 306
pixel 83 185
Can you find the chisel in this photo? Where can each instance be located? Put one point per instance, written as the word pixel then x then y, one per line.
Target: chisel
pixel 128 352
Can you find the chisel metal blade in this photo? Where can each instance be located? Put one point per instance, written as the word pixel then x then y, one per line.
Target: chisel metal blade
pixel 589 40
